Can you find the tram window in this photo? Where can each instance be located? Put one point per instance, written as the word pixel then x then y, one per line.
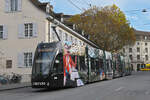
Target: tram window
pixel 82 63
pixel 101 63
pixel 93 64
pixel 58 64
pixel 97 64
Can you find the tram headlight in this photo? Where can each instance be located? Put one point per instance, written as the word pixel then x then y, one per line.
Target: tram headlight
pixel 48 84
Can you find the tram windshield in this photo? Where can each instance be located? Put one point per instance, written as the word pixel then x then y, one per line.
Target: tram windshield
pixel 43 61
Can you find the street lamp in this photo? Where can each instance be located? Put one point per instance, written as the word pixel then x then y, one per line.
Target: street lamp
pixel 144 10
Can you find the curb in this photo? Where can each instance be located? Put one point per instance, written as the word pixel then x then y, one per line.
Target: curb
pixel 14 88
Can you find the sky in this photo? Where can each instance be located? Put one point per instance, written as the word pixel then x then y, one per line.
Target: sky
pixel 132 9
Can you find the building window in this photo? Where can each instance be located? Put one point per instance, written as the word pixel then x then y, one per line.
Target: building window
pixel 28 29
pixel 83 43
pixel 146 50
pixel 71 39
pixel 145 44
pixel 76 41
pixel 66 37
pixel 146 57
pixel 28 59
pixel 138 49
pixel 130 56
pixel 138 57
pixel 14 5
pixel 1 32
pixel 8 63
pixel 145 37
pixel 80 43
pixel 130 50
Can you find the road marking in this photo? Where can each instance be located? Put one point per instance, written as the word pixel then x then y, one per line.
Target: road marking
pixel 118 89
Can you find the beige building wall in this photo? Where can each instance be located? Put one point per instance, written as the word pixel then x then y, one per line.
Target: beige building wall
pixel 13 45
pixel 142 45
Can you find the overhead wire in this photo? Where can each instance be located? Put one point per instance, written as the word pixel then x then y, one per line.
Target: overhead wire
pixel 136 10
pixel 83 3
pixel 75 5
pixel 80 2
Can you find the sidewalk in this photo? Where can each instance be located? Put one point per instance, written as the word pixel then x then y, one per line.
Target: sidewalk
pixel 14 86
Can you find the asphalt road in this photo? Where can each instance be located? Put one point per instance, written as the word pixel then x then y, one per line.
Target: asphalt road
pixel 134 87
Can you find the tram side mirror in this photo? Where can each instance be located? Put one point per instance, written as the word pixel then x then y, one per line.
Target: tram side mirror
pixel 56 61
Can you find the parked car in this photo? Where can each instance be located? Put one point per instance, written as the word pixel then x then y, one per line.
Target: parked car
pixel 3 80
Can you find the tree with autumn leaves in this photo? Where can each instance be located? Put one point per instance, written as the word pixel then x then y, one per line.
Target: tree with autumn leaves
pixel 106 26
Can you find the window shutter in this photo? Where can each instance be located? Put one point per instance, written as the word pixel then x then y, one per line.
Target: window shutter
pixel 20 60
pixel 19 5
pixel 21 31
pixel 5 32
pixel 35 30
pixel 32 57
pixel 7 6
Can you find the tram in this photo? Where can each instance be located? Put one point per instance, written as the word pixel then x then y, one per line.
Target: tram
pixel 145 67
pixel 58 65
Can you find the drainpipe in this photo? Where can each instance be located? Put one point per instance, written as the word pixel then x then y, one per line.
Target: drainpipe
pixel 48 31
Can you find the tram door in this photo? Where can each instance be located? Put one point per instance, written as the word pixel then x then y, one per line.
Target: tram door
pixel 58 75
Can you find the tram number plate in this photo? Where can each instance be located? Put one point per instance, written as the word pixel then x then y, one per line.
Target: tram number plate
pixel 39 83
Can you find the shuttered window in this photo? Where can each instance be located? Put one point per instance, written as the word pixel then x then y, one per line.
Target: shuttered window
pixel 13 5
pixel 25 59
pixel 1 32
pixel 28 59
pixel 66 37
pixel 27 30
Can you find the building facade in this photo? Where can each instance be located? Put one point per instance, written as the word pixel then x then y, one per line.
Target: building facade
pixel 139 53
pixel 24 24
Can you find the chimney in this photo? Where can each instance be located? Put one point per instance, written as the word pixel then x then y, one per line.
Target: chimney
pixel 62 17
pixel 49 8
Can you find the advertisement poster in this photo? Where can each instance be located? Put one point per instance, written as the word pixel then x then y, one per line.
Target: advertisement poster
pixel 70 71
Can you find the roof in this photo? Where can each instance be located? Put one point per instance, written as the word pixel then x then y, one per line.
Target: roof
pixel 138 32
pixel 41 6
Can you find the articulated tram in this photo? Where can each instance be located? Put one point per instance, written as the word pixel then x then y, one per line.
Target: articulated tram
pixel 58 65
